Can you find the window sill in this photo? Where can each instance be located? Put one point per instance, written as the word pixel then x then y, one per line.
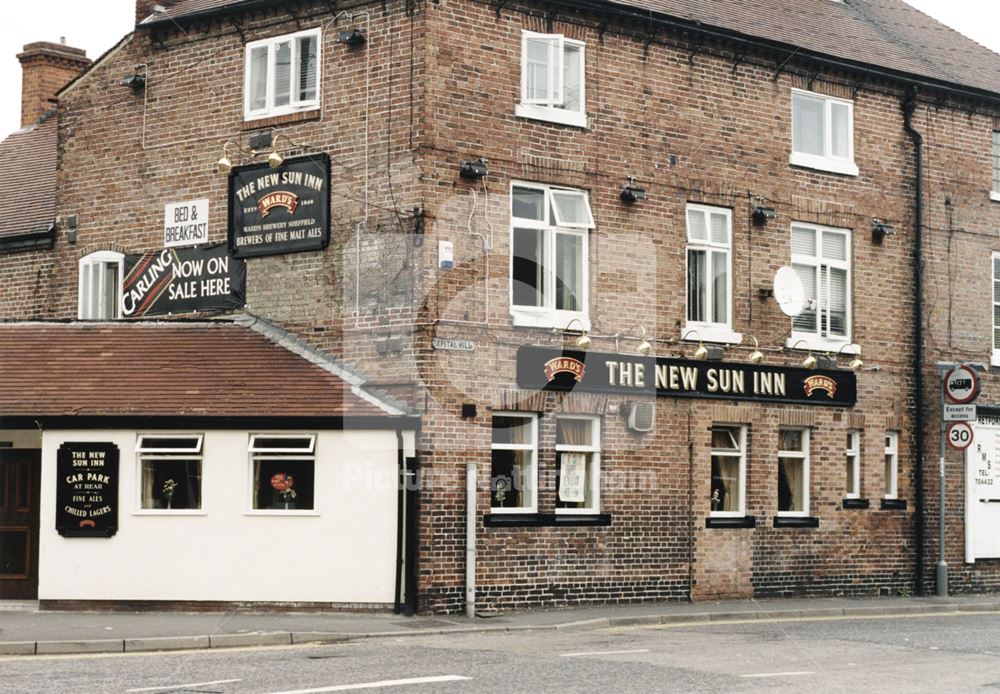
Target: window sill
pixel 170 512
pixel 856 503
pixel 994 196
pixel 526 318
pixel 551 115
pixel 821 344
pixel 812 161
pixel 731 522
pixel 257 122
pixel 283 512
pixel 893 504
pixel 796 522
pixel 545 520
pixel 710 333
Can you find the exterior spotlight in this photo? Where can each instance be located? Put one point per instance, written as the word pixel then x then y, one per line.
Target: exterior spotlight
pixel 756 356
pixel 762 213
pixel 137 81
pixel 644 348
pixel 810 361
pixel 631 193
pixel 351 37
pixel 474 169
pixel 701 354
pixel 856 365
pixel 583 342
pixel 274 159
pixel 880 230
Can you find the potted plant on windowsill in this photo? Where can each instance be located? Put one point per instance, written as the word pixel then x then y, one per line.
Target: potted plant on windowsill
pixel 282 483
pixel 167 492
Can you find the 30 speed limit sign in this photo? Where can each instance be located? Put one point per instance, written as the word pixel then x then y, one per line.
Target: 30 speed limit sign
pixel 960 435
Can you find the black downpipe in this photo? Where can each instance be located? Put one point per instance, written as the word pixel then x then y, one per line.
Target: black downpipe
pixel 400 515
pixel 909 106
pixel 412 527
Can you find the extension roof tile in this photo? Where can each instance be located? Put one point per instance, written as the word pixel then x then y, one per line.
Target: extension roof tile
pixel 28 179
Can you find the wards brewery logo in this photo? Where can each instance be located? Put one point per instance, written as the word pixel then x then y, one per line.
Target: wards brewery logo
pixel 814 383
pixel 565 365
pixel 290 201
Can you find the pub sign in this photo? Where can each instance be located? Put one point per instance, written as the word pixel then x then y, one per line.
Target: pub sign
pixel 542 368
pixel 87 489
pixel 280 210
pixel 182 280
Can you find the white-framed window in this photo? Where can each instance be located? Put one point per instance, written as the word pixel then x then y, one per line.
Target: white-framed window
pixel 514 463
pixel 729 470
pixel 553 79
pixel 793 472
pixel 823 132
pixel 822 258
pixel 282 472
pixel 100 286
pixel 853 465
pixel 995 188
pixel 169 472
pixel 891 464
pixel 996 308
pixel 549 269
pixel 281 75
pixel 578 464
pixel 709 274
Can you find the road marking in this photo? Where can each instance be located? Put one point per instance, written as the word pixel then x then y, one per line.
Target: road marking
pixel 766 619
pixel 181 686
pixel 578 655
pixel 376 685
pixel 780 674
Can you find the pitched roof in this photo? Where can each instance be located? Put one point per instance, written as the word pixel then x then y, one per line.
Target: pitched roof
pixel 888 34
pixel 28 179
pixel 168 369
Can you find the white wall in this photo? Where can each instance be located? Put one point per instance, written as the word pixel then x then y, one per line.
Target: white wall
pixel 344 552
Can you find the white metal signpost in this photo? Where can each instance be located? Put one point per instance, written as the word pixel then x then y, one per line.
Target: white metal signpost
pixel 959 389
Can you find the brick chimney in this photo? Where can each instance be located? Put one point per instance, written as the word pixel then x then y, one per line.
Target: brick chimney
pixel 144 8
pixel 45 69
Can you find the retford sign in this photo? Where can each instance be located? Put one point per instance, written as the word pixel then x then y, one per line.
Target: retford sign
pixel 542 368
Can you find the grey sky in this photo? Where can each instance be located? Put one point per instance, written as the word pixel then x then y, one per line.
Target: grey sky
pixel 96 25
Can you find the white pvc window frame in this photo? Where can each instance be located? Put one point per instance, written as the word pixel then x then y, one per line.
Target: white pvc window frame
pixel 852 457
pixel 256 452
pixel 92 289
pixel 891 453
pixel 816 339
pixel 552 106
pixel 531 486
pixel 995 274
pixel 295 104
pixel 739 434
pixel 548 315
pixel 827 160
pixel 802 455
pixel 709 330
pixel 192 452
pixel 593 450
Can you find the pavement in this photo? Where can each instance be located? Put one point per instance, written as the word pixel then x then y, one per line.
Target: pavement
pixel 26 630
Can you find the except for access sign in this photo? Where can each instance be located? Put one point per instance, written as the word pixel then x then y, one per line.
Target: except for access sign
pixel 959 413
pixel 961 385
pixel 960 435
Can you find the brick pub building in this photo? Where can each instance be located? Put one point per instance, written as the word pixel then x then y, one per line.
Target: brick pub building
pixel 551 243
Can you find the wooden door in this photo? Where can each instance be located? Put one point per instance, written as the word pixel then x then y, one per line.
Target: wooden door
pixel 20 471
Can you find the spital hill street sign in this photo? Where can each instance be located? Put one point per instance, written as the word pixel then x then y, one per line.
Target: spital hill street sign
pixel 542 368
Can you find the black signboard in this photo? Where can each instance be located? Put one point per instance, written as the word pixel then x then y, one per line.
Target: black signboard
pixel 541 368
pixel 182 280
pixel 280 210
pixel 87 489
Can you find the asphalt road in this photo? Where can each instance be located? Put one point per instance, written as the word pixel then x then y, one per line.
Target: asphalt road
pixel 949 653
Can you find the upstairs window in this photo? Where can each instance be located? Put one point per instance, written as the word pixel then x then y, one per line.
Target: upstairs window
pixel 552 79
pixel 282 75
pixel 549 251
pixel 709 277
pixel 822 258
pixel 996 309
pixel 995 190
pixel 100 288
pixel 823 133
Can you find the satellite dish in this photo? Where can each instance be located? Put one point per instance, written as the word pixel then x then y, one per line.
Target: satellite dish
pixel 789 292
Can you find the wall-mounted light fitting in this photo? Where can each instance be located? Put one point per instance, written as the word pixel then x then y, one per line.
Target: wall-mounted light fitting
pixel 582 342
pixel 136 81
pixel 474 169
pixel 225 164
pixel 880 230
pixel 352 37
pixel 645 347
pixel 855 365
pixel 631 193
pixel 705 353
pixel 810 361
pixel 756 356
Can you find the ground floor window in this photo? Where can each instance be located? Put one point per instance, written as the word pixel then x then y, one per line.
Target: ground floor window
pixel 170 471
pixel 728 471
pixel 578 461
pixel 891 464
pixel 514 462
pixel 853 456
pixel 793 472
pixel 283 471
